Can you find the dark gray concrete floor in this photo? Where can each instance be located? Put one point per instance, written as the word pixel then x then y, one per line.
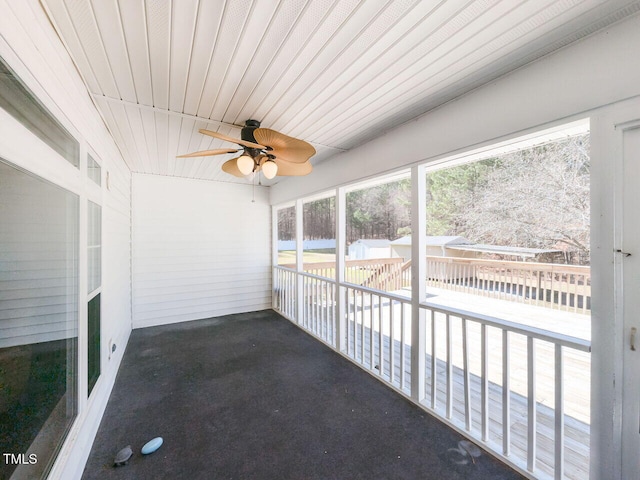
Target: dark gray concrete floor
pixel 252 396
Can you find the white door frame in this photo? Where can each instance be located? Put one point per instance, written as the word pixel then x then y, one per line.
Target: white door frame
pixel 607 126
pixel 628 274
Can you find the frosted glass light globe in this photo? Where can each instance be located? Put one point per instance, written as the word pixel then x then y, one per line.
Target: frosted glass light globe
pixel 245 164
pixel 270 169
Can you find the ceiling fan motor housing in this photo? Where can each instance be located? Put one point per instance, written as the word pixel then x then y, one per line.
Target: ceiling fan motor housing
pixel 247 135
pixel 247 130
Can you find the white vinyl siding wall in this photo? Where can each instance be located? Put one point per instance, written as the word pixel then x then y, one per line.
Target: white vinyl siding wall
pixel 200 249
pixel 38 298
pixel 116 260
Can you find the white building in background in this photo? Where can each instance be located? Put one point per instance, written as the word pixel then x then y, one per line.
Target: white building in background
pixel 460 247
pixel 365 249
pixel 437 246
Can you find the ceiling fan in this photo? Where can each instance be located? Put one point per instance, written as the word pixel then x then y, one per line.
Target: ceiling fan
pixel 264 150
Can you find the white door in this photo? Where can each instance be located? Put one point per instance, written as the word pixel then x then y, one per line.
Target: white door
pixel 631 305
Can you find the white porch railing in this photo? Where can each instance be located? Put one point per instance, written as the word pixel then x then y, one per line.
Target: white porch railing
pixel 319 307
pixel 284 291
pixel 493 378
pixel 487 377
pixel 378 334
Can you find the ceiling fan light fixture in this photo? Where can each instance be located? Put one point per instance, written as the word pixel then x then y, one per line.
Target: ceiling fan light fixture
pixel 245 164
pixel 276 154
pixel 270 169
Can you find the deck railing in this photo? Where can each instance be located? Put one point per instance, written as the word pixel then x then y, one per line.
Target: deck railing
pixel 496 405
pixel 565 287
pixel 379 273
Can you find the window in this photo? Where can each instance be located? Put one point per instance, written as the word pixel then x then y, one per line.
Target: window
pixel 24 107
pixel 319 242
pixel 94 172
pixel 94 247
pixel 514 227
pixel 38 318
pixel 287 237
pixel 93 340
pixel 378 225
pixel 94 270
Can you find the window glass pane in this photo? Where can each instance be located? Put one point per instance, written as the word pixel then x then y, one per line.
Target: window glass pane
pixel 287 237
pixel 378 228
pixel 93 340
pixel 512 216
pixel 24 107
pixel 38 318
pixel 94 170
pixel 94 254
pixel 319 244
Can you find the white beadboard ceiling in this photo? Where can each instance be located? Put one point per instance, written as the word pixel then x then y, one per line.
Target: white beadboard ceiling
pixel 335 73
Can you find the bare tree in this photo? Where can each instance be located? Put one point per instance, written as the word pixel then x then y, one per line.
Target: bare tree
pixel 537 198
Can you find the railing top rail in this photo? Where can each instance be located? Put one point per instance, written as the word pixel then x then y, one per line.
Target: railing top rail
pixel 348 263
pixel 553 267
pixel 373 261
pixel 318 277
pixel 382 293
pixel 318 265
pixel 539 333
pixel 545 267
pixel 285 268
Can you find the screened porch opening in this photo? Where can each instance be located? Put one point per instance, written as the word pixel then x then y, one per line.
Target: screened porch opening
pixel 495 339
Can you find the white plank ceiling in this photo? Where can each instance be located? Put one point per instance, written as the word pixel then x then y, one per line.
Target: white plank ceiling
pixel 335 73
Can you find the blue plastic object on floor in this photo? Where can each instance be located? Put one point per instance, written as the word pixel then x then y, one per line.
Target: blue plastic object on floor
pixel 152 445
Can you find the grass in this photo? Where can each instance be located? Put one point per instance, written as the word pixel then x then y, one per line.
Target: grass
pixel 309 256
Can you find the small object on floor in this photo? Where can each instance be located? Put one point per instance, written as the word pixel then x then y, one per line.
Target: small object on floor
pixel 152 445
pixel 123 456
pixel 471 448
pixel 465 450
pixel 458 456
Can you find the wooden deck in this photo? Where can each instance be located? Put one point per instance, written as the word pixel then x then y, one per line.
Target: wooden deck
pixel 576 376
pixel 559 321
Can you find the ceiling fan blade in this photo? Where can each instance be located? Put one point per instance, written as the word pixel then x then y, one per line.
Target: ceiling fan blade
pixel 282 146
pixel 288 169
pixel 206 153
pixel 231 167
pixel 231 139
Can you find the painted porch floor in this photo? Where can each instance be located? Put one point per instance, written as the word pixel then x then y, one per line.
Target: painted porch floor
pixel 251 396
